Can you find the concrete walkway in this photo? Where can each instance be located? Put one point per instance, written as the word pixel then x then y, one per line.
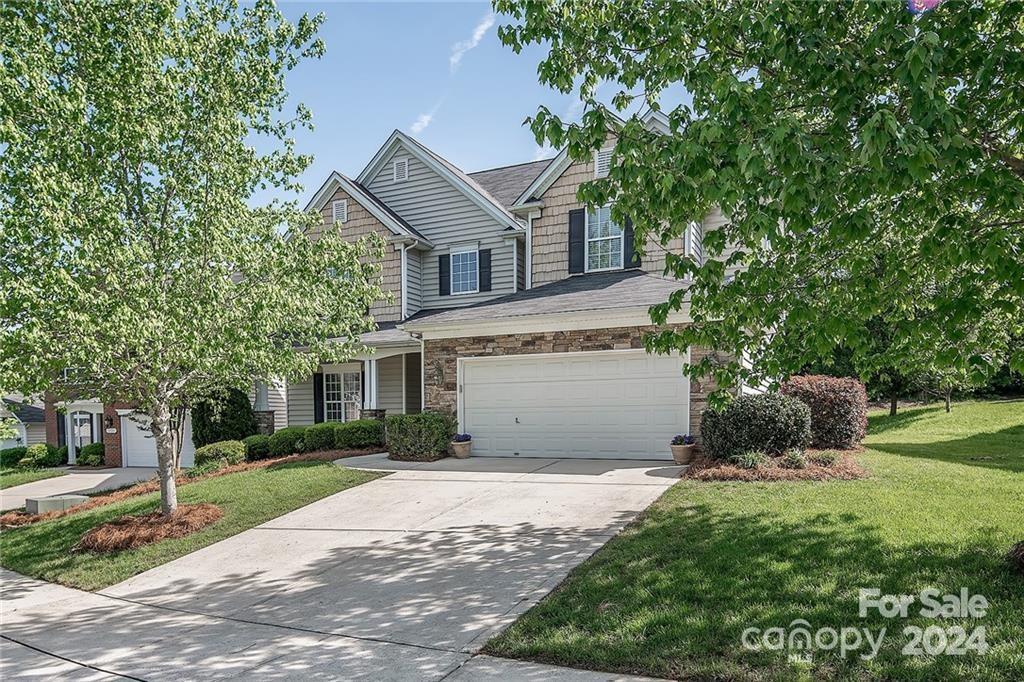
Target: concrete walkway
pixel 81 482
pixel 403 578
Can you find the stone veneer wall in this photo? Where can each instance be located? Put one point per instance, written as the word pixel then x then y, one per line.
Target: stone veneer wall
pixel 441 355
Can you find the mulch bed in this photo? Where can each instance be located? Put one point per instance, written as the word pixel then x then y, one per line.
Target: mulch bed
pixel 845 468
pixel 13 519
pixel 129 532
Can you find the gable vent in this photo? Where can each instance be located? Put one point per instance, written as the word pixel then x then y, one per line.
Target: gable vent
pixel 339 210
pixel 400 169
pixel 602 162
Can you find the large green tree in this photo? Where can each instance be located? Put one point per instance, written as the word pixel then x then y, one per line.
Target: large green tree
pixel 132 265
pixel 870 163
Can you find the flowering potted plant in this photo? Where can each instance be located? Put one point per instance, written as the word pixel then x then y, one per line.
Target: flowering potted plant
pixel 461 444
pixel 682 449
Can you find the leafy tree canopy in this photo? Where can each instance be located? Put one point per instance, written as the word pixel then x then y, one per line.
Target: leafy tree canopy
pixel 132 265
pixel 870 163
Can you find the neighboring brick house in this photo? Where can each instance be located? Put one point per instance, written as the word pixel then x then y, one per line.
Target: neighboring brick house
pixel 514 307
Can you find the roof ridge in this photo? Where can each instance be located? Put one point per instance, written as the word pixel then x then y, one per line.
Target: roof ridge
pixel 510 165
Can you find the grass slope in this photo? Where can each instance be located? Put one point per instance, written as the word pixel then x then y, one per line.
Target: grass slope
pixel 12 477
pixel 248 499
pixel 672 595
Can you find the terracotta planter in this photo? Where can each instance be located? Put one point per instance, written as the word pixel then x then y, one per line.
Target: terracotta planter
pixel 682 454
pixel 461 450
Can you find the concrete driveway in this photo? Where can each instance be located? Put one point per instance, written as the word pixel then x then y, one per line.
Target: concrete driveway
pixel 75 481
pixel 405 577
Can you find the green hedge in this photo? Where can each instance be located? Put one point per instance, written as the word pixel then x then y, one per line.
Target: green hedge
pixel 361 433
pixel 225 416
pixel 42 455
pixel 257 447
pixel 91 455
pixel 229 451
pixel 771 423
pixel 419 437
pixel 9 457
pixel 288 441
pixel 319 437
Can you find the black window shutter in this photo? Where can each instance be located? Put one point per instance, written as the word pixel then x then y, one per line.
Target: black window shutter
pixel 577 241
pixel 485 269
pixel 318 398
pixel 444 275
pixel 630 258
pixel 62 425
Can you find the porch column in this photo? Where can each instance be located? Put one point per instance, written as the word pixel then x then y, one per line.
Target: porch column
pixel 370 389
pixel 69 431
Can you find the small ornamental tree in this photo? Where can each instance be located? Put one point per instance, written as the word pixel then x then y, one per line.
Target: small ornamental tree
pixel 869 163
pixel 133 265
pixel 224 415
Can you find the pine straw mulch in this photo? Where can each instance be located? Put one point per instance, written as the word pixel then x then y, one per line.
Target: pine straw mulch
pixel 13 519
pixel 130 532
pixel 845 468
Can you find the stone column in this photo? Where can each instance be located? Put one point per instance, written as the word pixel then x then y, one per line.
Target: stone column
pixel 264 421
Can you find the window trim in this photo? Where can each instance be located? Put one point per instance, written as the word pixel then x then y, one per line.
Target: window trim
pixel 587 240
pixel 394 170
pixel 458 250
pixel 342 403
pixel 344 210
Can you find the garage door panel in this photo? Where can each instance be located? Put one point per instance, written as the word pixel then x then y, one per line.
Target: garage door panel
pixel 600 405
pixel 138 448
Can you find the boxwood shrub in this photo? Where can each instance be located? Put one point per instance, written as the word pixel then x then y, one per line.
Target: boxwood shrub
pixel 419 437
pixel 287 441
pixel 228 451
pixel 257 447
pixel 770 423
pixel 227 415
pixel 319 437
pixel 42 455
pixel 9 457
pixel 91 455
pixel 839 408
pixel 361 433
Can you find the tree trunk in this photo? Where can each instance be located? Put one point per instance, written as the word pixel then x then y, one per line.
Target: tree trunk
pixel 948 396
pixel 161 427
pixel 893 399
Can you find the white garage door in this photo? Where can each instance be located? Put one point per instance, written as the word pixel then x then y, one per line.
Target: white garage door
pixel 614 404
pixel 138 449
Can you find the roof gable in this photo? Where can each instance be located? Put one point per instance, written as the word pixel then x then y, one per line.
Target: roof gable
pixel 377 208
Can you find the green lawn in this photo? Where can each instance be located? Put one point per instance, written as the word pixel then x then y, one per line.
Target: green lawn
pixel 672 595
pixel 12 477
pixel 248 499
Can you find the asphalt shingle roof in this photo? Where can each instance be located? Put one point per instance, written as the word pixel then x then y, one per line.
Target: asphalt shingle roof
pixel 27 414
pixel 599 291
pixel 505 184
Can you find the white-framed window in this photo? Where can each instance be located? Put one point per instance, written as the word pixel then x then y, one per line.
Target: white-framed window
pixel 343 396
pixel 339 211
pixel 602 162
pixel 400 170
pixel 81 429
pixel 465 270
pixel 604 245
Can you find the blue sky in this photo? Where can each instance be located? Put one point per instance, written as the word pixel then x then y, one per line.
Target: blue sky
pixel 434 70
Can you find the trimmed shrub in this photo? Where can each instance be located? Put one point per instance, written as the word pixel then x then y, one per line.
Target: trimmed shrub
pixel 62 453
pixel 228 451
pixel 42 455
pixel 91 455
pixel 793 459
pixel 361 433
pixel 9 457
pixel 751 459
pixel 771 423
pixel 287 441
pixel 225 416
pixel 257 447
pixel 319 437
pixel 206 467
pixel 839 408
pixel 825 458
pixel 419 437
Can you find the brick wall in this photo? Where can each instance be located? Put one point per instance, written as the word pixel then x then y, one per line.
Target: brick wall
pixel 359 224
pixel 50 417
pixel 112 456
pixel 441 355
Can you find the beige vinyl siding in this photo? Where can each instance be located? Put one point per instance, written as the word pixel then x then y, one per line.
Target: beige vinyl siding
pixel 300 402
pixel 35 433
pixel 414 276
pixel 359 224
pixel 413 380
pixel 447 217
pixel 389 384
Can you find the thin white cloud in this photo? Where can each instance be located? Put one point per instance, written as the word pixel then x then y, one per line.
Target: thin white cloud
pixel 543 152
pixel 421 122
pixel 463 46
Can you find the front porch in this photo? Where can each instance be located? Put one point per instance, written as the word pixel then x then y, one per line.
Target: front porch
pixel 390 379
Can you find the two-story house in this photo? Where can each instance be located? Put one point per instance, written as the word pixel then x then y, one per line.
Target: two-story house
pixel 515 308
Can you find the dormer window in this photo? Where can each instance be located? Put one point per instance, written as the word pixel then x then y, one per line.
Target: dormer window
pixel 400 170
pixel 604 244
pixel 339 211
pixel 602 162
